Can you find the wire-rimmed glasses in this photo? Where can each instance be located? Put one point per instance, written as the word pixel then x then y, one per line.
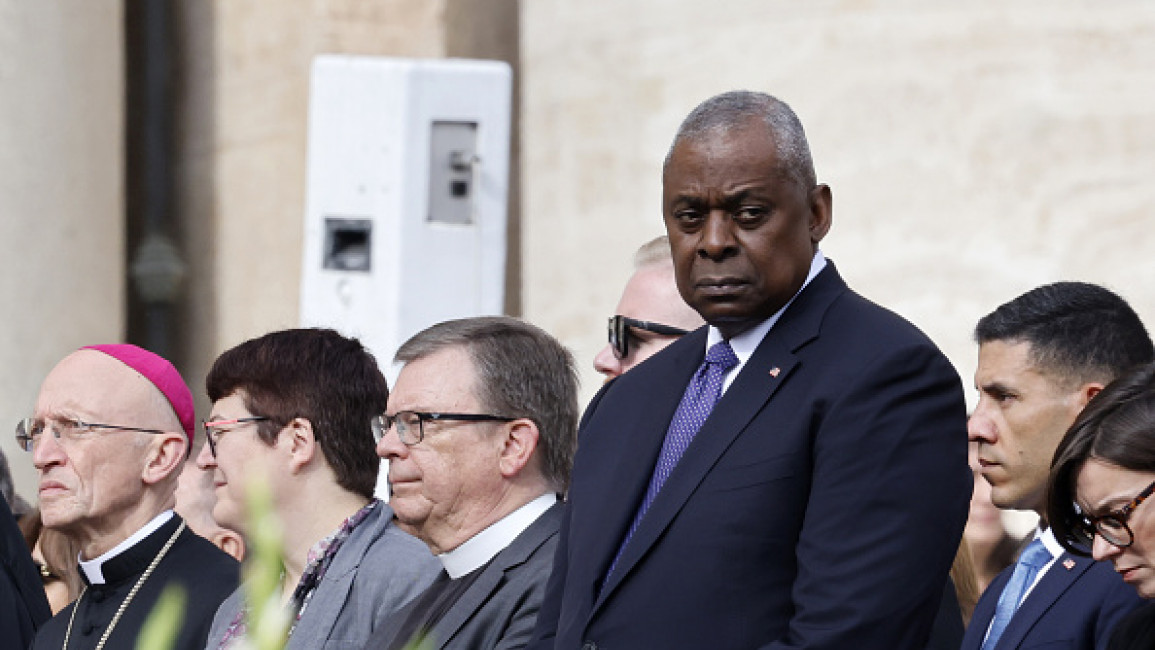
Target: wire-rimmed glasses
pixel 29 430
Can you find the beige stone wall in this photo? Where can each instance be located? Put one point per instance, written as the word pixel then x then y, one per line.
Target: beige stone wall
pixel 975 150
pixel 243 132
pixel 61 195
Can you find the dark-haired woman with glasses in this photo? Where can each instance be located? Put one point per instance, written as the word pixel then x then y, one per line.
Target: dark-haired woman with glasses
pixel 1101 478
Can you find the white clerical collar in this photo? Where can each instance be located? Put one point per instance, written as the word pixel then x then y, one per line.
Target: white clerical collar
pixel 745 343
pixel 92 568
pixel 481 548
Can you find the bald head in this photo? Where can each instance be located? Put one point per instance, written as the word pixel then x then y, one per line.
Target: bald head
pixel 101 483
pixel 89 379
pixel 195 500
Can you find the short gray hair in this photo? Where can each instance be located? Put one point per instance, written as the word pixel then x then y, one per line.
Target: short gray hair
pixel 733 109
pixel 521 371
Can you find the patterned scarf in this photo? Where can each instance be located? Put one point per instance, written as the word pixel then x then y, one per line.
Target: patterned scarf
pixel 319 558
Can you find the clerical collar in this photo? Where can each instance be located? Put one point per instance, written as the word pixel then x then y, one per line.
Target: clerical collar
pixel 481 548
pixel 93 569
pixel 745 343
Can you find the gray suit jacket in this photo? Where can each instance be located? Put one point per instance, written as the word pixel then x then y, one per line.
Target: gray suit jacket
pixel 378 569
pixel 500 608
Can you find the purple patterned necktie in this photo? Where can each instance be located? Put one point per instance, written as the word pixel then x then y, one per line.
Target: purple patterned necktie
pixel 697 402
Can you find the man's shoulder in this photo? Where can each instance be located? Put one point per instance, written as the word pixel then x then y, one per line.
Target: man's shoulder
pixel 852 314
pixel 537 542
pixel 51 633
pixel 390 555
pixel 202 566
pixel 384 538
pixel 1101 577
pixel 1093 602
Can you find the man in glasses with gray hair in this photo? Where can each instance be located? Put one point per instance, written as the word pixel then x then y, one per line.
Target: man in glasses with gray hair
pixel 480 434
pixel 109 435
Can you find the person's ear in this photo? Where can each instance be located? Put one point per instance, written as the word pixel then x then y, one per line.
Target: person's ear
pixel 821 212
pixel 1086 392
pixel 230 542
pixel 166 457
pixel 302 443
pixel 518 445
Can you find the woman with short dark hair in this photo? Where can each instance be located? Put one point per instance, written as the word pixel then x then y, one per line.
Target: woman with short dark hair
pixel 1102 474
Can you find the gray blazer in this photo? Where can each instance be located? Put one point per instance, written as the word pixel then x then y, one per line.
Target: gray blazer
pixel 500 608
pixel 378 569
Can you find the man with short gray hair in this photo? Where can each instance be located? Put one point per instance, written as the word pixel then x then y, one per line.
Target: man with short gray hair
pixel 792 476
pixel 480 434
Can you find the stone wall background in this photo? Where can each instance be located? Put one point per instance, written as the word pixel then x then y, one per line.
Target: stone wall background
pixel 61 196
pixel 974 150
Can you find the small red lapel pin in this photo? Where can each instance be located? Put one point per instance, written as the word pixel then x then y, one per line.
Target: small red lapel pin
pixel 774 371
pixel 1068 564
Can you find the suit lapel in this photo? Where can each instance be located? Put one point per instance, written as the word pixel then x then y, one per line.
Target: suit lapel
pixel 491 578
pixel 768 368
pixel 333 591
pixel 985 611
pixel 630 449
pixel 1051 587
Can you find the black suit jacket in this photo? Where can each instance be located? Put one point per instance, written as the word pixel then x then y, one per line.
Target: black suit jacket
pixel 23 605
pixel 206 574
pixel 500 608
pixel 1075 605
pixel 820 505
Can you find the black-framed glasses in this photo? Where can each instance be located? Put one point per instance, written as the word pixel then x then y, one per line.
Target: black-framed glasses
pixel 1112 527
pixel 619 331
pixel 214 429
pixel 29 430
pixel 411 424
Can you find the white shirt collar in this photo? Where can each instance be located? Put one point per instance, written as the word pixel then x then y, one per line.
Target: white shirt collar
pixel 92 568
pixel 745 343
pixel 479 549
pixel 1050 542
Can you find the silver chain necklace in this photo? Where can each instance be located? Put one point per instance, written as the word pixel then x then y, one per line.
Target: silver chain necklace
pixel 127 599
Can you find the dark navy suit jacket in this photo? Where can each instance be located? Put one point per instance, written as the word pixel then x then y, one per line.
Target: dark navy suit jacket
pixel 819 506
pixel 1069 608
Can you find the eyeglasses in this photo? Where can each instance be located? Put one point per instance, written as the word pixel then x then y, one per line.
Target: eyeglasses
pixel 214 429
pixel 411 424
pixel 28 430
pixel 619 330
pixel 1112 527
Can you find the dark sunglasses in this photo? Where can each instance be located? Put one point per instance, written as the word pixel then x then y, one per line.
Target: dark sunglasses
pixel 619 327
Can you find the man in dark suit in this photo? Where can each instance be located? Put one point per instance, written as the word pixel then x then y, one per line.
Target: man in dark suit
pixel 480 435
pixel 820 503
pixel 1042 356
